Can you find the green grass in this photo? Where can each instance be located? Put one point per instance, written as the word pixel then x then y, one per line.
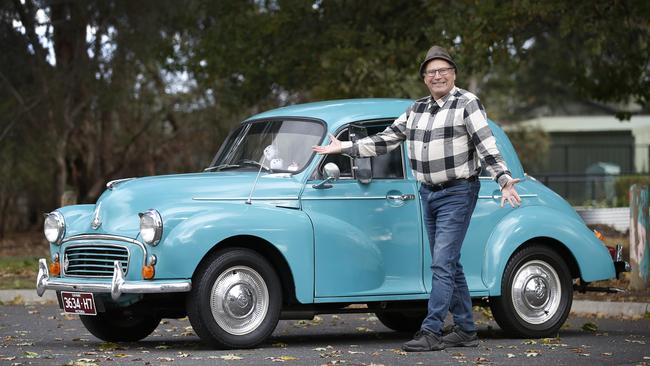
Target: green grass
pixel 18 272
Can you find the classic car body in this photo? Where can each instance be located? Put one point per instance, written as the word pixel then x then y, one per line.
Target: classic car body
pixel 271 230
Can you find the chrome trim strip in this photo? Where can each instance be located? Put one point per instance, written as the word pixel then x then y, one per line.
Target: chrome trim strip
pixel 342 198
pixel 499 196
pixel 116 287
pixel 111 237
pixel 128 258
pixel 244 198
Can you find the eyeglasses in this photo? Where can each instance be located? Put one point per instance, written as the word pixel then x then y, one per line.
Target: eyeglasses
pixel 444 71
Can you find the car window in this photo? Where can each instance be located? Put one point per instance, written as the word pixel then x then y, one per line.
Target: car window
pixel 387 166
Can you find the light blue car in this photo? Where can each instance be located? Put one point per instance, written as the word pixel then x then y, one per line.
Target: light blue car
pixel 272 231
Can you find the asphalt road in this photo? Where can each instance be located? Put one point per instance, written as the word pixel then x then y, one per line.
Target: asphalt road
pixel 42 335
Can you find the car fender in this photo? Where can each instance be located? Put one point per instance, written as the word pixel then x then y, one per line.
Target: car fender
pixel 527 223
pixel 288 230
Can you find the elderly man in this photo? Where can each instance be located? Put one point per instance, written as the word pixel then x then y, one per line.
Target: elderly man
pixel 446 134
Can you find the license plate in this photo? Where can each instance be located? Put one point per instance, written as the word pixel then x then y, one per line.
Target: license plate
pixel 78 303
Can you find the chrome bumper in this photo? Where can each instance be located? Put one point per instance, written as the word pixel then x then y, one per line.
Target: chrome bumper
pixel 116 287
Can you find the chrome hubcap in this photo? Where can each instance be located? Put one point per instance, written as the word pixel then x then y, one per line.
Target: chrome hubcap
pixel 239 300
pixel 536 292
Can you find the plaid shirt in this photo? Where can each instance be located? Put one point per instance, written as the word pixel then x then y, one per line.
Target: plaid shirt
pixel 443 139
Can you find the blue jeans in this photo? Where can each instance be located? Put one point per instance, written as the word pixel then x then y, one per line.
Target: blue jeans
pixel 447 213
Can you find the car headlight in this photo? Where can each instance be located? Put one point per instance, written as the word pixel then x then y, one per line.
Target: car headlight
pixel 151 227
pixel 54 227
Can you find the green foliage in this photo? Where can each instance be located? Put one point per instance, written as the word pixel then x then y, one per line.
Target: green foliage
pixel 623 184
pixel 18 272
pixel 123 88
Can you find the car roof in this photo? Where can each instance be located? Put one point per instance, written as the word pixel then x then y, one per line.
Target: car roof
pixel 339 112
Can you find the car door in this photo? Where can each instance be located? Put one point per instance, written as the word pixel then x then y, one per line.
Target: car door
pixel 367 237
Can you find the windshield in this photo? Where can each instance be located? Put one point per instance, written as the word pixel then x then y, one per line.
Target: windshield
pixel 276 146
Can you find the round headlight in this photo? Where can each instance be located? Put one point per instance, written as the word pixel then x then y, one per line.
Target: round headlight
pixel 151 227
pixel 54 227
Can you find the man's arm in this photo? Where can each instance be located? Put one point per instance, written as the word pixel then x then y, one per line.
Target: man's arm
pixel 378 144
pixel 486 147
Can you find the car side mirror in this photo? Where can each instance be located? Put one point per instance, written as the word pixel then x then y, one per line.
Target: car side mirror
pixel 332 173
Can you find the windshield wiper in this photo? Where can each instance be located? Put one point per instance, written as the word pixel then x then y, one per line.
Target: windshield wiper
pixel 220 167
pixel 253 163
pixel 239 164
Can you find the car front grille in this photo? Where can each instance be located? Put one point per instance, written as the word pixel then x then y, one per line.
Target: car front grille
pixel 94 260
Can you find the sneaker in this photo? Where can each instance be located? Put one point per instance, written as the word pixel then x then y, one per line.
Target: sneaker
pixel 459 338
pixel 423 341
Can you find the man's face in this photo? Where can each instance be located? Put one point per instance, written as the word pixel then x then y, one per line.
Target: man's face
pixel 439 85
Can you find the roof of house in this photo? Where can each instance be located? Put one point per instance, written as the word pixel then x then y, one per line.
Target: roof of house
pixel 588 123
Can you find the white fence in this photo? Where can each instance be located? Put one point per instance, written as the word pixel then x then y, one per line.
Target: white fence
pixel 617 217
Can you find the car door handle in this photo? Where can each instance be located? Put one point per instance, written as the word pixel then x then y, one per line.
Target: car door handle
pixel 400 197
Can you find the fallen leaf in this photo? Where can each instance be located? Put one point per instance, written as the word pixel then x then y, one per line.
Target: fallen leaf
pixel 281 358
pixel 230 357
pixel 589 327
pixel 162 346
pixel 399 352
pixel 29 354
pixel 529 341
pixel 606 353
pixel 532 352
pixel 182 355
pixel 553 341
pixel 18 300
pixel 363 329
pixel 8 358
pixel 356 352
pixel 165 359
pixel 481 360
pixel 109 346
pixel 279 345
pixel 635 341
pixel 510 355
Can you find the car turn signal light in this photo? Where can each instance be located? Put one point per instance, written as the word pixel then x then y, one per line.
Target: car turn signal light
pixel 55 268
pixel 599 235
pixel 148 272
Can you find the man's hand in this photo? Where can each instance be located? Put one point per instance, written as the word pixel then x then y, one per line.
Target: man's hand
pixel 333 148
pixel 509 193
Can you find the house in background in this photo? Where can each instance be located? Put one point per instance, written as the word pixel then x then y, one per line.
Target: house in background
pixel 580 143
pixel 586 155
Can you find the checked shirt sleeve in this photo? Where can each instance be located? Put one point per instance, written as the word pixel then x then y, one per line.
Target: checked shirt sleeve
pixel 482 137
pixel 380 143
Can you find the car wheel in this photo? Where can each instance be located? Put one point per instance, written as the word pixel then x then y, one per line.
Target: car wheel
pixel 536 293
pixel 119 326
pixel 402 322
pixel 235 300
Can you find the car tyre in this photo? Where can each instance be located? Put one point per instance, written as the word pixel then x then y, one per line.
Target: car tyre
pixel 536 293
pixel 236 299
pixel 402 321
pixel 120 326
